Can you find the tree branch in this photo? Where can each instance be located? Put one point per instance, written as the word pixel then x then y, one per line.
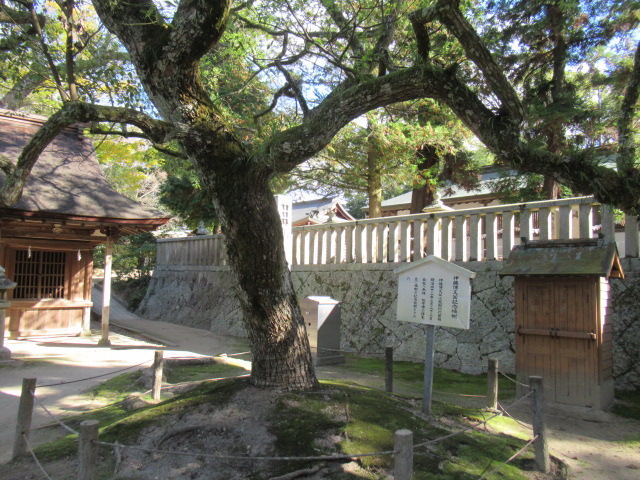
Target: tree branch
pixel 449 13
pixel 626 143
pixel 197 27
pixel 69 114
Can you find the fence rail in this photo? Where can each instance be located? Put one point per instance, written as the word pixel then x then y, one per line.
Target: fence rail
pixel 457 235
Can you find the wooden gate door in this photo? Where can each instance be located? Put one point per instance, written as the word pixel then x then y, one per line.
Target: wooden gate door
pixel 557 337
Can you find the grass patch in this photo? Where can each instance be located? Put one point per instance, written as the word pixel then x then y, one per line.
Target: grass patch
pixel 117 424
pixel 627 404
pixel 367 419
pixel 193 373
pixel 447 381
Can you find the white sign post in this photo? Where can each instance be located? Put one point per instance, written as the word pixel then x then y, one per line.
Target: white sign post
pixel 433 292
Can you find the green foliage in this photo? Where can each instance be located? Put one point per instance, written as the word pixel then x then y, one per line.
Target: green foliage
pixel 184 197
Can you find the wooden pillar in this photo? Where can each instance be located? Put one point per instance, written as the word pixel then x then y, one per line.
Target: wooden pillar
pixel 106 293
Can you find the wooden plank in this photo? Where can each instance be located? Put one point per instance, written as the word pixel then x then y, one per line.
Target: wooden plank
pixel 544 220
pixel 565 220
pixel 585 221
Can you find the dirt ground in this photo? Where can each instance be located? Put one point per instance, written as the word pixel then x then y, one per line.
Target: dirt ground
pixel 595 445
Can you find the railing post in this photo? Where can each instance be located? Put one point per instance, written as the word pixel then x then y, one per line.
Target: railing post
pixel 358 244
pixel 432 229
pixel 405 241
pixel 461 239
pixel 369 246
pixel 475 240
pixel 88 450
pixel 565 220
pixel 382 243
pixel 157 374
pixel 630 236
pixel 348 244
pixel 543 462
pixel 388 369
pixel 544 223
pixel 393 241
pixel 585 221
pixel 508 232
pixel 526 230
pixel 403 458
pixel 608 227
pixel 339 244
pixel 418 240
pixel 492 235
pixel 25 414
pixel 492 384
pixel 445 238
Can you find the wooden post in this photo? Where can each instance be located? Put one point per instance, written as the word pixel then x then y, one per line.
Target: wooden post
pixel 106 293
pixel 157 374
pixel 25 413
pixel 492 384
pixel 428 369
pixel 88 450
pixel 543 462
pixel 388 369
pixel 403 457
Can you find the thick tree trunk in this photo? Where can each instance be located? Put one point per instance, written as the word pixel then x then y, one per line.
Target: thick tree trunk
pixel 272 316
pixel 374 179
pixel 423 192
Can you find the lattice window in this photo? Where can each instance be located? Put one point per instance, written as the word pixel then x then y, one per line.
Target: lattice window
pixel 39 274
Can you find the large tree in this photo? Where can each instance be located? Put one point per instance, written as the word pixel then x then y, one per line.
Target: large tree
pixel 354 43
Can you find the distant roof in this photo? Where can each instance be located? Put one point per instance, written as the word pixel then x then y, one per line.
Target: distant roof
pixel 564 257
pixel 66 181
pixel 316 211
pixel 452 194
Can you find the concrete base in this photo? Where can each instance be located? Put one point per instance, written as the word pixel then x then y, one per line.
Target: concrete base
pixel 104 342
pixel 5 354
pixel 85 333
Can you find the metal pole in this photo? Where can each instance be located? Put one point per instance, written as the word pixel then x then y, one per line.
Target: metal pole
pixel 428 369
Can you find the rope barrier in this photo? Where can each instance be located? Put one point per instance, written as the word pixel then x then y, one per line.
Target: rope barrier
pixel 523 425
pixel 473 427
pixel 515 455
pixel 513 380
pixel 36 458
pixel 95 376
pixel 244 457
pixel 60 422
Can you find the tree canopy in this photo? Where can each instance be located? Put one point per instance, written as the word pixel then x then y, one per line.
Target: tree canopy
pixel 311 68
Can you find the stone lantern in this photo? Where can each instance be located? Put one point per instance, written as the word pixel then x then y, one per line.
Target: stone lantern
pixel 5 284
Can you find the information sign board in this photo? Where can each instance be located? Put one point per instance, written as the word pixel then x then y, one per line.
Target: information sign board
pixel 433 291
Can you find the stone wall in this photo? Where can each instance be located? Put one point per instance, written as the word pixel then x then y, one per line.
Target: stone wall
pixel 202 297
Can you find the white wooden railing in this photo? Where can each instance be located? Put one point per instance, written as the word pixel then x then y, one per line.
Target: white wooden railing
pixel 457 235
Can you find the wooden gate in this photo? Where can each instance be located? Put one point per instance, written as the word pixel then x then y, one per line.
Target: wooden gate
pixel 559 338
pixel 563 330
